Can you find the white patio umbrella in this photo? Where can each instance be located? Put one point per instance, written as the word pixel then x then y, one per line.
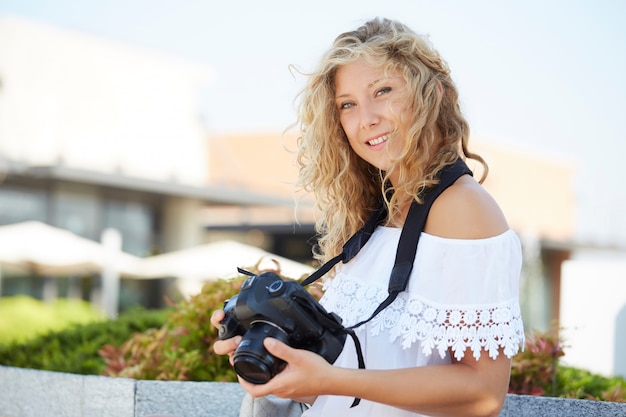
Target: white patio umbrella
pixel 212 261
pixel 49 251
pixel 46 250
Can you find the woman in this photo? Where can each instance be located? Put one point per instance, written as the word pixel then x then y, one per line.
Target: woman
pixel 380 121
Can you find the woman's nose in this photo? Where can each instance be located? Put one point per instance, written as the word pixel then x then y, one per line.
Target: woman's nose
pixel 369 117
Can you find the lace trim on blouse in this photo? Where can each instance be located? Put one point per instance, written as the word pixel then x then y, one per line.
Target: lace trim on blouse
pixel 437 327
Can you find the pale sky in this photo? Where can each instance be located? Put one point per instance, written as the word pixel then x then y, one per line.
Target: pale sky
pixel 540 76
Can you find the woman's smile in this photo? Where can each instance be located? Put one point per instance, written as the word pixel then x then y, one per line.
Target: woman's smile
pixel 379 140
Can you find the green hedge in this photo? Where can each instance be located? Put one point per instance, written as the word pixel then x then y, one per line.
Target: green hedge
pixel 76 348
pixel 23 317
pixel 181 349
pixel 579 383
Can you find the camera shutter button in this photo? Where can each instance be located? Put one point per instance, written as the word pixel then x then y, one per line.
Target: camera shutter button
pixel 276 288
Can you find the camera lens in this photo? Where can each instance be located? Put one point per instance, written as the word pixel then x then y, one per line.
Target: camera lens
pixel 252 361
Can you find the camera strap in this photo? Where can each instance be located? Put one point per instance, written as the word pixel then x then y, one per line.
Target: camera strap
pixel 407 245
pixel 409 237
pixel 411 232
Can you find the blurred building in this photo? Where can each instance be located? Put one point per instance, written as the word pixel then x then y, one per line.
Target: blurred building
pixel 95 134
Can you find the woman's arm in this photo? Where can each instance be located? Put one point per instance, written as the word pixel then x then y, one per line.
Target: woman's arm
pixel 464 388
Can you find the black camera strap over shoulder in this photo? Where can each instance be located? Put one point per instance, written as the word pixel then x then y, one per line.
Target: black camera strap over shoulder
pixel 411 232
pixel 407 246
pixel 409 237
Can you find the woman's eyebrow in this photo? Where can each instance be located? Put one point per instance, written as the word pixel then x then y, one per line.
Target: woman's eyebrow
pixel 373 83
pixel 370 85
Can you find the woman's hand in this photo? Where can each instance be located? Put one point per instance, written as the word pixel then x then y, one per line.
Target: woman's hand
pixel 302 379
pixel 295 381
pixel 224 347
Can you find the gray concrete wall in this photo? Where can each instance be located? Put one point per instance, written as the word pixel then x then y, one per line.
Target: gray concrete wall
pixel 186 399
pixel 32 393
pixel 531 406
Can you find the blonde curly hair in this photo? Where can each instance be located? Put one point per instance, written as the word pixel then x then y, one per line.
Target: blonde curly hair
pixel 347 188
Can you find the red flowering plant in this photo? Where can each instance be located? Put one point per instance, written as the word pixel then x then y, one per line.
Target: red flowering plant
pixel 534 370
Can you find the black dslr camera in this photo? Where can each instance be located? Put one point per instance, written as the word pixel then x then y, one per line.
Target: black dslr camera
pixel 268 306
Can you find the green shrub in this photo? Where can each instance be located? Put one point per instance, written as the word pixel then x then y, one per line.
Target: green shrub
pixel 23 318
pixel 76 348
pixel 578 383
pixel 536 371
pixel 182 348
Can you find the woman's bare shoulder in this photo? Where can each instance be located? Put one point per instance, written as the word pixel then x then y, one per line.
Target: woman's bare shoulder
pixel 465 210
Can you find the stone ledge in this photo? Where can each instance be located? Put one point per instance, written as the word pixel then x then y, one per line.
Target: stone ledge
pixel 532 406
pixel 28 392
pixel 33 393
pixel 187 399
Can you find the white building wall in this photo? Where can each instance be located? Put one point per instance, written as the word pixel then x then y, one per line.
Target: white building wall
pixel 181 224
pixel 92 104
pixel 593 315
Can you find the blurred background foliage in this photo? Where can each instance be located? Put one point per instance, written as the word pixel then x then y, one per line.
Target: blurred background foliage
pixel 537 371
pixel 176 344
pixel 75 348
pixel 23 318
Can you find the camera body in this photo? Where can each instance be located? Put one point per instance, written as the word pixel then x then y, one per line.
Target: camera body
pixel 268 306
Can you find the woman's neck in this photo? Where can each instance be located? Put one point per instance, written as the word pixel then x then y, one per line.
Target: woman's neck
pixel 398 216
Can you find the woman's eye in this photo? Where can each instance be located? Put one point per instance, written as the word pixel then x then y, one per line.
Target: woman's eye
pixel 383 90
pixel 346 105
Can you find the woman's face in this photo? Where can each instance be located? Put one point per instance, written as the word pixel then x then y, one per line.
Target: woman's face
pixel 371 105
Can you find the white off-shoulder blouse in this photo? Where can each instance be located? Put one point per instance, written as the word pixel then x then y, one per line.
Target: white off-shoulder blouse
pixel 462 298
